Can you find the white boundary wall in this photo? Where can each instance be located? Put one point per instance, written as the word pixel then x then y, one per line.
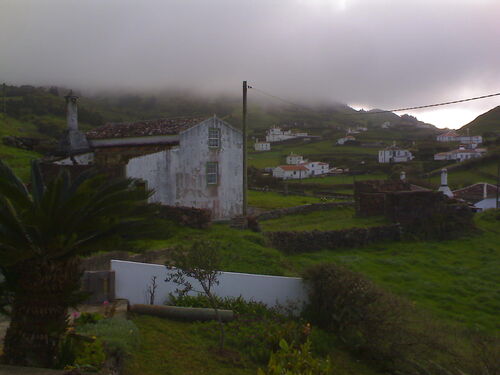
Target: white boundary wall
pixel 133 278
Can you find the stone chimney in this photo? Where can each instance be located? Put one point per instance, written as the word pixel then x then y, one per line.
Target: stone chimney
pixel 71 111
pixel 73 141
pixel 444 184
pixel 402 176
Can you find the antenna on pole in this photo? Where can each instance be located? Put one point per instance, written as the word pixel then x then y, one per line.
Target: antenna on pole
pixel 245 88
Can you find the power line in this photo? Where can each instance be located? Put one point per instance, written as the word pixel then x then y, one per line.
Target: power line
pixel 385 111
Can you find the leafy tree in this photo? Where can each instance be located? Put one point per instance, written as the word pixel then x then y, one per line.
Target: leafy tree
pixel 201 261
pixel 44 230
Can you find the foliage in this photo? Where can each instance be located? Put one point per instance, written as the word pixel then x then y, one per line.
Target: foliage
pixel 202 262
pixel 43 232
pixel 189 216
pixel 120 336
pixel 295 361
pixel 87 318
pixel 82 352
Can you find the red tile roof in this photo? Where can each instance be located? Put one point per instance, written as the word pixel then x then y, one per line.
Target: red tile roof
pixel 145 128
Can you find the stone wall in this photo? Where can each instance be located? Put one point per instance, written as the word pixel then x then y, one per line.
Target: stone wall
pixel 308 241
pixel 274 214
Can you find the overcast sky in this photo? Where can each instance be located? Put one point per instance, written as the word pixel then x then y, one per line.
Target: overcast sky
pixel 367 53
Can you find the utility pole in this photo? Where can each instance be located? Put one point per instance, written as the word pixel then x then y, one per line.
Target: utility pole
pixel 498 184
pixel 245 88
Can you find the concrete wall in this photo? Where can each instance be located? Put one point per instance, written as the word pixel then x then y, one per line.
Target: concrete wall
pixel 132 279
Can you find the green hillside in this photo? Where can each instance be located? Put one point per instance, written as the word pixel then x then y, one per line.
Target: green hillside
pixel 488 122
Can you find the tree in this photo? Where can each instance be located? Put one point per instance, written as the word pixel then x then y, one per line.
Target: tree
pixel 44 230
pixel 201 261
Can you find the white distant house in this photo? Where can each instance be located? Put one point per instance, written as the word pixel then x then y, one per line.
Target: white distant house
pixel 288 172
pixel 386 125
pixel 262 146
pixel 294 159
pixel 348 138
pixel 352 131
pixel 394 154
pixel 452 136
pixel 276 134
pixel 482 195
pixel 316 168
pixel 461 154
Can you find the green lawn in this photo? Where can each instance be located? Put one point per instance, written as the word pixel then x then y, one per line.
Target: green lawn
pixel 174 348
pixel 339 218
pixel 341 179
pixel 18 160
pixel 269 200
pixel 457 280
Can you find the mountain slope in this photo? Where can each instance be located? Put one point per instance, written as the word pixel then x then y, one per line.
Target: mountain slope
pixel 488 122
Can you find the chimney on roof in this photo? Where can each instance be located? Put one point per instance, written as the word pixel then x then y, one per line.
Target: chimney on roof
pixel 444 184
pixel 485 190
pixel 71 111
pixel 402 176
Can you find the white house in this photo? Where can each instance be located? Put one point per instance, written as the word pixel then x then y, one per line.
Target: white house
pixel 394 154
pixel 188 162
pixel 294 159
pixel 482 195
pixel 316 168
pixel 276 134
pixel 262 146
pixel 348 138
pixel 461 154
pixel 386 125
pixel 452 136
pixel 287 172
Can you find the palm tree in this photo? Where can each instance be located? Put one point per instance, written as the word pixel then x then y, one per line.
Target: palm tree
pixel 44 230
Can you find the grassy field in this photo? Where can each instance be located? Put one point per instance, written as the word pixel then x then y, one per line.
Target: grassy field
pixel 457 279
pixel 461 178
pixel 18 160
pixel 341 179
pixel 174 348
pixel 340 218
pixel 269 200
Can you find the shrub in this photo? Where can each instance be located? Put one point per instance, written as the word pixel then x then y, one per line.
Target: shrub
pixel 295 361
pixel 87 318
pixel 120 336
pixel 197 218
pixel 80 351
pixel 383 327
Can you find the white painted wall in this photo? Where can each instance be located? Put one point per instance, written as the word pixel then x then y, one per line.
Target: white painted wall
pixel 178 175
pixel 132 279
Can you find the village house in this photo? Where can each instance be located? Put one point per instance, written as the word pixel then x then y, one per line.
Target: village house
pixel 191 162
pixel 276 134
pixel 394 154
pixel 262 146
pixel 287 172
pixel 348 138
pixel 452 136
pixel 294 159
pixel 482 195
pixel 461 154
pixel 386 125
pixel 316 168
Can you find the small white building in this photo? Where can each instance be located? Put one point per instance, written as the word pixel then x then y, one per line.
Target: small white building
pixel 316 168
pixel 288 172
pixel 294 159
pixel 394 154
pixel 452 136
pixel 461 154
pixel 262 146
pixel 386 125
pixel 348 138
pixel 276 134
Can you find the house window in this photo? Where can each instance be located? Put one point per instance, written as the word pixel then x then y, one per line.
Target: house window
pixel 212 171
pixel 213 137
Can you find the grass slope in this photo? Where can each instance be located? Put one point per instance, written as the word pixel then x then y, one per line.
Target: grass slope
pixel 269 200
pixel 487 122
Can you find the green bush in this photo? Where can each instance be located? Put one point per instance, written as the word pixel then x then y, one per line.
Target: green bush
pixel 289 360
pixel 80 351
pixel 120 336
pixel 87 318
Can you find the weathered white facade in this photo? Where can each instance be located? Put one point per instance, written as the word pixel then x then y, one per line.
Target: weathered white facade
pixel 343 140
pixel 276 134
pixel 461 154
pixel 316 168
pixel 196 174
pixel 452 136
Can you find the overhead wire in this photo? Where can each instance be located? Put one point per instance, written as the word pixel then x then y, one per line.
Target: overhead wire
pixel 383 111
